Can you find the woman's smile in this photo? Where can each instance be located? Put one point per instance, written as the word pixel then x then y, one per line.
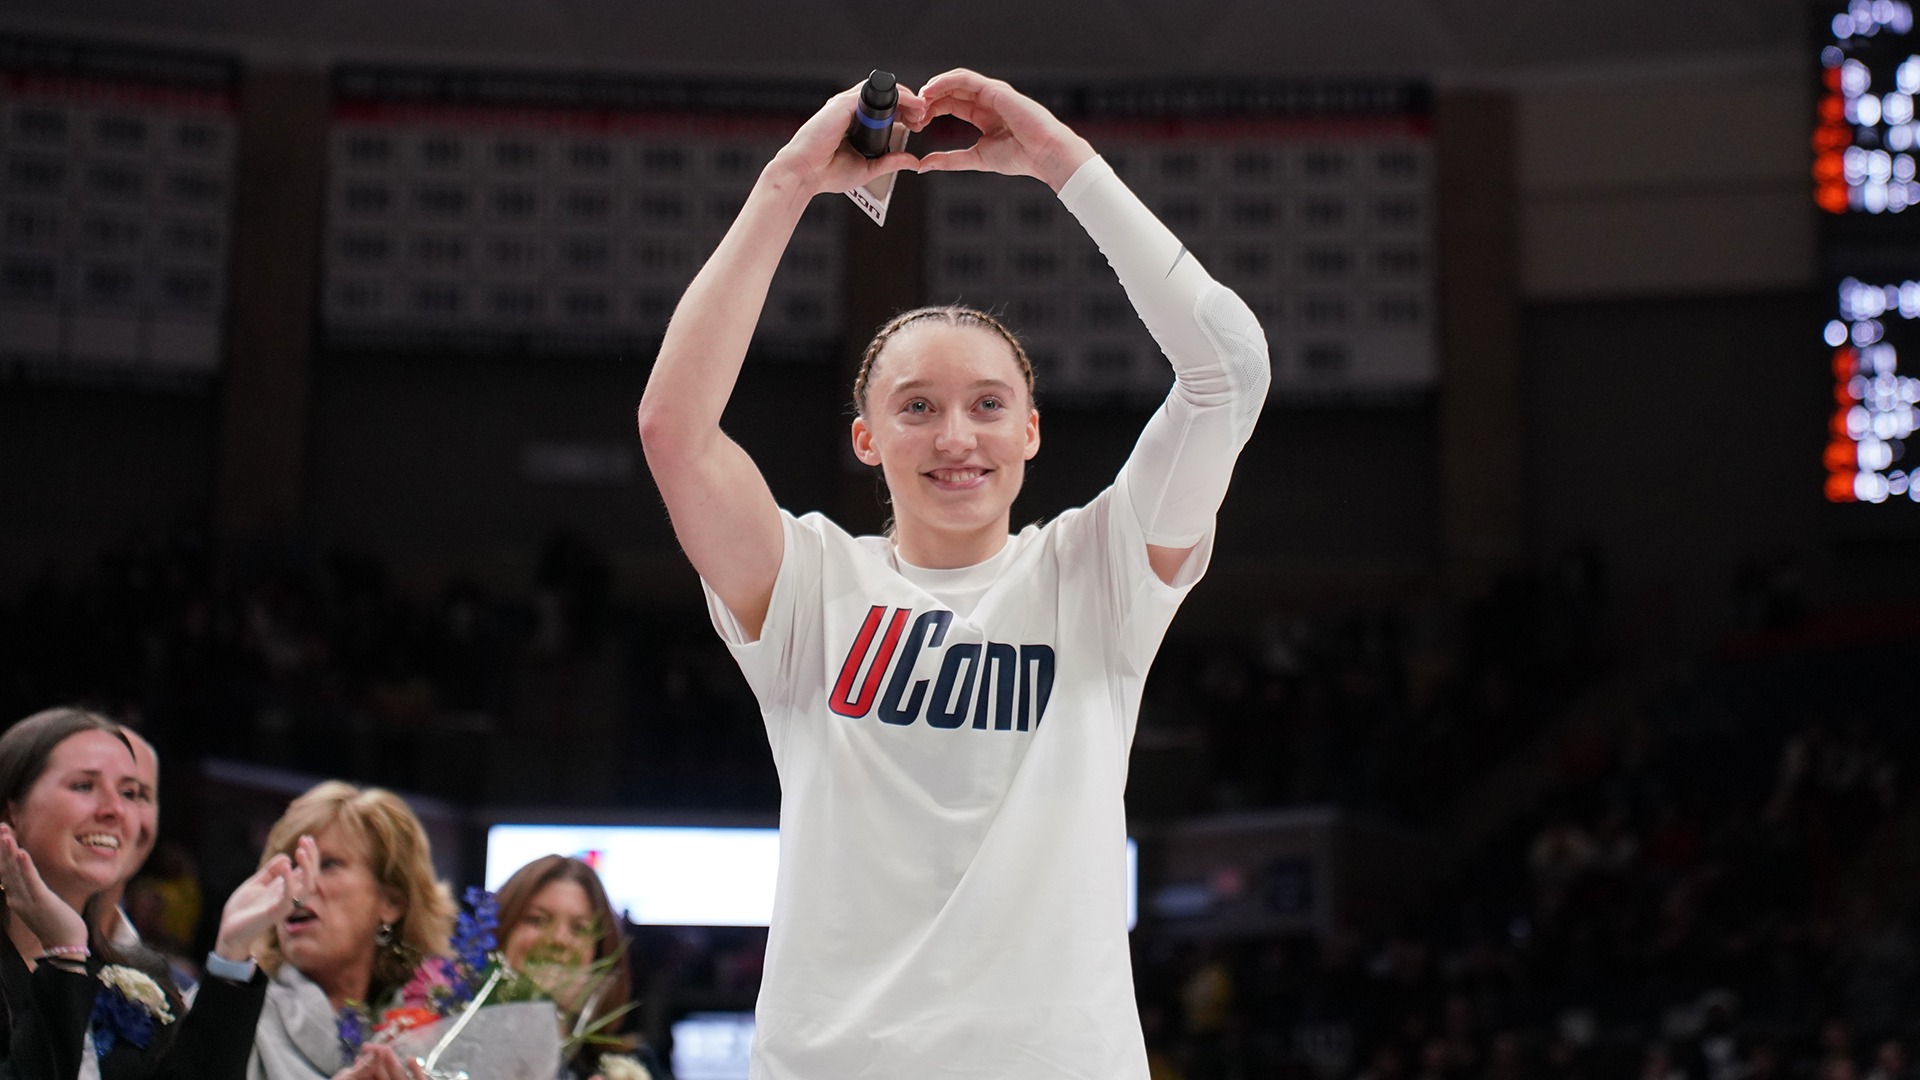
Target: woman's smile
pixel 958 479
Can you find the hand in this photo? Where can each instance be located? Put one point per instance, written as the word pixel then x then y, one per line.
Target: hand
pixel 264 899
pixel 1018 136
pixel 377 1061
pixel 49 918
pixel 819 158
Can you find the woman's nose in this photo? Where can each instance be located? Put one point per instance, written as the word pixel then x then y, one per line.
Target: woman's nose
pixel 956 434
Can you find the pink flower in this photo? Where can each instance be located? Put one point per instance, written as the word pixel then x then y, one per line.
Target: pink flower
pixel 431 984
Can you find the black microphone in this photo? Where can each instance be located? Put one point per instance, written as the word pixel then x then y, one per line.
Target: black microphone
pixel 871 132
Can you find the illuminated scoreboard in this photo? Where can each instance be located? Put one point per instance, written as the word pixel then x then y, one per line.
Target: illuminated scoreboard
pixel 1866 142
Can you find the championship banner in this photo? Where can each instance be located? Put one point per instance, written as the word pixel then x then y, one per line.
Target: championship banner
pixel 498 212
pixel 1314 201
pixel 115 213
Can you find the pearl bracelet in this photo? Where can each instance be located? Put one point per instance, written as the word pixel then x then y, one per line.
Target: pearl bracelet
pixel 67 952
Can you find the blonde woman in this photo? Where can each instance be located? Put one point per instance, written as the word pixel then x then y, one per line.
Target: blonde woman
pixel 375 910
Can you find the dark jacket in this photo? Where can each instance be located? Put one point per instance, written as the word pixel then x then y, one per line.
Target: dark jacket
pixel 48 1010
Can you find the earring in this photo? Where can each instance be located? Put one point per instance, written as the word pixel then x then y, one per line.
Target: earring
pixel 383 937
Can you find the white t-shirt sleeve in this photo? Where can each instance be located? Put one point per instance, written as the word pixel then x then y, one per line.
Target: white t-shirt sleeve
pixel 1104 538
pixel 770 662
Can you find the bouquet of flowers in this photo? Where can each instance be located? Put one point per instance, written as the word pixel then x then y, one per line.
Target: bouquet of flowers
pixel 471 1013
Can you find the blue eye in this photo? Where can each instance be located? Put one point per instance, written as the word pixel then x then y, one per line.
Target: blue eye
pixel 991 404
pixel 917 405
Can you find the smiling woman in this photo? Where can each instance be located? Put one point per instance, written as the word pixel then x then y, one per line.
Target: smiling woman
pixel 904 846
pixel 71 821
pixel 560 929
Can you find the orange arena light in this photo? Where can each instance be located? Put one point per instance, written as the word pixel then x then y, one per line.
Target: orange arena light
pixel 1833 110
pixel 1840 488
pixel 1838 425
pixel 1840 456
pixel 1832 198
pixel 1845 363
pixel 1831 138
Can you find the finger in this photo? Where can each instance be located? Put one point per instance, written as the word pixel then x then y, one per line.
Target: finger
pixel 957 81
pixel 18 863
pixel 970 111
pixel 967 160
pixel 277 867
pixel 378 1061
pixel 306 857
pixel 911 111
pixel 897 161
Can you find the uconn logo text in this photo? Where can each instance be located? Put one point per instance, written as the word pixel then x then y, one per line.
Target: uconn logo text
pixel 986 686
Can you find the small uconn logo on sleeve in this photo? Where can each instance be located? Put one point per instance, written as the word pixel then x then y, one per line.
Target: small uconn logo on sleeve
pixel 982 685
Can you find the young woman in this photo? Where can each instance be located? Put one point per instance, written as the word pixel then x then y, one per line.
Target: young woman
pixel 73 809
pixel 558 927
pixel 950 707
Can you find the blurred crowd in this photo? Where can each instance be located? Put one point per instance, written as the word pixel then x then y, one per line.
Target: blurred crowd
pixel 1719 888
pixel 561 696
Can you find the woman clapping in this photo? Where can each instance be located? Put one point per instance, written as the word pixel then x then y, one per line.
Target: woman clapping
pixel 69 792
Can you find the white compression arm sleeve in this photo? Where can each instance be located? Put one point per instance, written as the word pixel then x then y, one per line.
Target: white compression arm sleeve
pixel 1179 470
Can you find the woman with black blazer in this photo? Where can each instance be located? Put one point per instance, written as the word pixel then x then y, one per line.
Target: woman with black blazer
pixel 68 790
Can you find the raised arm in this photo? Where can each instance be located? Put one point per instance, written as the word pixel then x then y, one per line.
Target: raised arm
pixel 1179 470
pixel 722 512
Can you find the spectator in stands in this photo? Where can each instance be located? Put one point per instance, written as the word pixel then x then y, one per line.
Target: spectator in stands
pixel 175 905
pixel 1561 853
pixel 1387 1062
pixel 1890 1062
pixel 1836 1051
pixel 558 927
pixel 374 912
pixel 146 810
pixel 70 795
pixel 1506 1058
pixel 1762 1062
pixel 1659 1064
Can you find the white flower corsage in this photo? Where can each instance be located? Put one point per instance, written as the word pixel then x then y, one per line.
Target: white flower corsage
pixel 132 1007
pixel 622 1067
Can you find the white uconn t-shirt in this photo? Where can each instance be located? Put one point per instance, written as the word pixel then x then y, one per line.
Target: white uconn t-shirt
pixel 952 748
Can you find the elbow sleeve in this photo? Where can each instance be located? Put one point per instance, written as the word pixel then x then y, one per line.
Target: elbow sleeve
pixel 1179 470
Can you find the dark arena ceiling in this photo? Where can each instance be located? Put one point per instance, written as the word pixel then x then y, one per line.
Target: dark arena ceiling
pixel 1451 41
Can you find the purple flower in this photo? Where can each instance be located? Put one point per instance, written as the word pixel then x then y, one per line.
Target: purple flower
pixel 352 1024
pixel 474 941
